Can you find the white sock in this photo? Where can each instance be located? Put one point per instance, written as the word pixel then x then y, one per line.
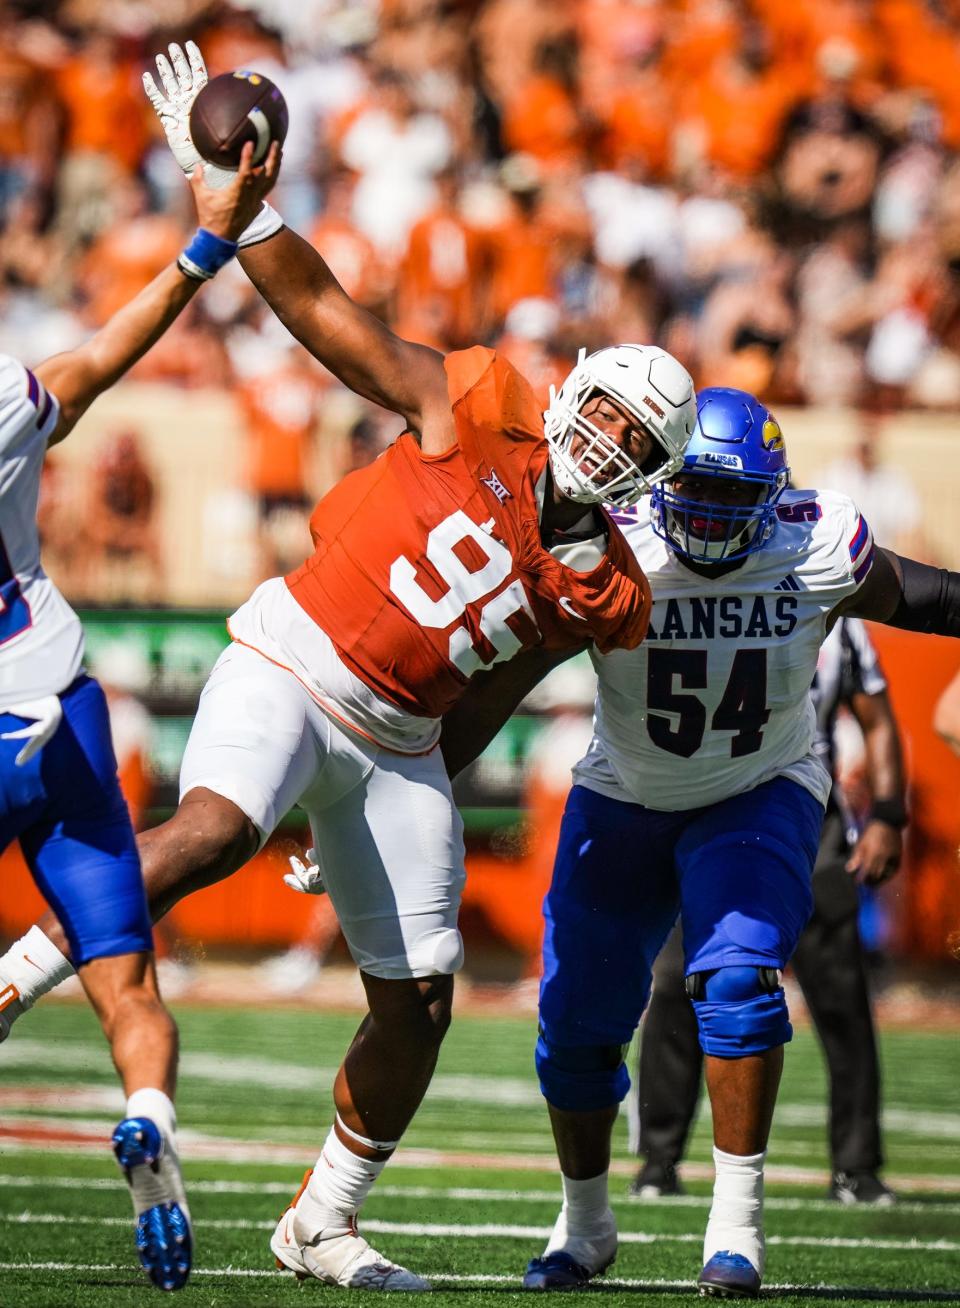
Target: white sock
pixel 158 1107
pixel 34 965
pixel 585 1202
pixel 585 1225
pixel 338 1186
pixel 149 1188
pixel 736 1216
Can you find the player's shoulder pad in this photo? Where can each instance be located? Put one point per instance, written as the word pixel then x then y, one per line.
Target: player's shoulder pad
pixel 465 368
pixel 632 519
pixel 834 526
pixel 826 511
pixel 13 380
pixel 490 396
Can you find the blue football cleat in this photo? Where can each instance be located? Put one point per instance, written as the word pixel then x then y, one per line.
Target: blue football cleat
pixel 557 1271
pixel 164 1239
pixel 137 1141
pixel 572 1259
pixel 729 1276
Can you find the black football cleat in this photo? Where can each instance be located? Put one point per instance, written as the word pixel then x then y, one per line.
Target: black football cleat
pixel 656 1181
pixel 860 1188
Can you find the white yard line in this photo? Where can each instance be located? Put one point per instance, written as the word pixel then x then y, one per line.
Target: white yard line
pixel 458 1088
pixel 502 1091
pixel 24 1113
pixel 441 1279
pixel 473 1194
pixel 73 1135
pixel 503 1231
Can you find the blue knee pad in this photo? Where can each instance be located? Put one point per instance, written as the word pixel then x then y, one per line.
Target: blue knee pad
pixel 579 1079
pixel 740 1010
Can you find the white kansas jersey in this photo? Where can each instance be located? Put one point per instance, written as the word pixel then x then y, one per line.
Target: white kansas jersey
pixel 41 640
pixel 717 700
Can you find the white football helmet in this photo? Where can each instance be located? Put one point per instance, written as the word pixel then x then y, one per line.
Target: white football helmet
pixel 656 389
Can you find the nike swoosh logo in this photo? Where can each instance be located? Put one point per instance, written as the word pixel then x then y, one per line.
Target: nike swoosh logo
pixel 28 959
pixel 568 608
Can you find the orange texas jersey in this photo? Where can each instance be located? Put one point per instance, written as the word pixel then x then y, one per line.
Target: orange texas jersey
pixel 428 568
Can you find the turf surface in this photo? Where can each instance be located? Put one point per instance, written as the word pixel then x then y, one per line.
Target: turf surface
pixel 473 1193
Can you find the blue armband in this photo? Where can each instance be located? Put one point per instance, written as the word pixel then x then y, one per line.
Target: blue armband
pixel 205 255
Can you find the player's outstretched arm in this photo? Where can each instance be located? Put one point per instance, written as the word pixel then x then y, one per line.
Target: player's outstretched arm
pixel 400 375
pixel 904 593
pixel 490 699
pixel 78 376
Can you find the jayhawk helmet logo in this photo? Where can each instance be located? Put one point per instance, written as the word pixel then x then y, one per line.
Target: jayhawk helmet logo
pixel 772 435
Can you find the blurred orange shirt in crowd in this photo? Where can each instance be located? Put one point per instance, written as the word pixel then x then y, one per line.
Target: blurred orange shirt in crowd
pixel 540 119
pixel 23 92
pixel 520 256
pixel 124 259
pixel 737 116
pixel 924 53
pixel 105 106
pixel 351 258
pixel 442 267
pixel 819 35
pixel 615 36
pixel 638 124
pixel 281 413
pixel 697 38
pixel 508 34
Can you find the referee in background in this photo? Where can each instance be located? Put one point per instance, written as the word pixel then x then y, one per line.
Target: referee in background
pixel 829 960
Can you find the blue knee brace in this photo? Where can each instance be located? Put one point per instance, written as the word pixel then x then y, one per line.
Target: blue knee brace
pixel 740 1010
pixel 580 1079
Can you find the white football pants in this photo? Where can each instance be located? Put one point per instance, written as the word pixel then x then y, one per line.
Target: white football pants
pixel 388 836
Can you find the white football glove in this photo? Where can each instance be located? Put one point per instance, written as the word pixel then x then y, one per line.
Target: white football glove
pixel 46 715
pixel 181 84
pixel 305 877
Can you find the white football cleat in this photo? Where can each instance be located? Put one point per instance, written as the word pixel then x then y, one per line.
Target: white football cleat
pixel 12 1006
pixel 344 1259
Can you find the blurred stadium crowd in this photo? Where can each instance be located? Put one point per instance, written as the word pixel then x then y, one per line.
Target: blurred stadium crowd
pixel 770 190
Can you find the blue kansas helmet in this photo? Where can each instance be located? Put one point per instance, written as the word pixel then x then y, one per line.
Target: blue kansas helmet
pixel 736 439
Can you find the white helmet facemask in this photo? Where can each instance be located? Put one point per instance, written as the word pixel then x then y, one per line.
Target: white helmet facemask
pixel 654 389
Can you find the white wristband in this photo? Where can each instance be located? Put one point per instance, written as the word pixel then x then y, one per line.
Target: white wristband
pixel 266 224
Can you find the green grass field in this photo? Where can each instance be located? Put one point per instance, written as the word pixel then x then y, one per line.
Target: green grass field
pixel 472 1194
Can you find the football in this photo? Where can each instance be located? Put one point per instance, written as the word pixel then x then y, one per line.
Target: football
pixel 235 108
